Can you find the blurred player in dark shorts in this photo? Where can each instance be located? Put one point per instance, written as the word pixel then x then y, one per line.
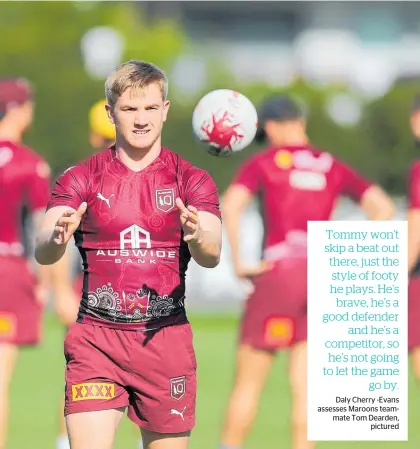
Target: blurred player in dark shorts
pixel 413 218
pixel 24 189
pixel 67 277
pixel 295 183
pixel 138 213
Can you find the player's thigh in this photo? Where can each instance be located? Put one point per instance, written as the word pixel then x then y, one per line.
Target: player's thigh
pixel 298 362
pixel 8 357
pixel 415 355
pixel 153 440
pixel 20 314
pixel 163 392
pixel 93 430
pixel 252 367
pixel 414 318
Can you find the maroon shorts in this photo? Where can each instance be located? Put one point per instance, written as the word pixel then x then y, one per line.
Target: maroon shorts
pixel 152 372
pixel 275 314
pixel 20 314
pixel 413 312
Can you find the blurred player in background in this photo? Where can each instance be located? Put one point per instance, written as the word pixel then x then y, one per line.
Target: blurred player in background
pixel 67 277
pixel 296 183
pixel 138 212
pixel 24 190
pixel 413 218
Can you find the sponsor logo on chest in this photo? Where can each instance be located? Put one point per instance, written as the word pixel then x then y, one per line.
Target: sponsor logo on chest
pixel 136 248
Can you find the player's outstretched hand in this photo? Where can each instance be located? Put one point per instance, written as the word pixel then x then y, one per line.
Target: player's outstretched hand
pixel 67 224
pixel 250 272
pixel 190 222
pixel 66 306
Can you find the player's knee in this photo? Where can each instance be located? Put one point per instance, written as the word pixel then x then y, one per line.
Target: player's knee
pixel 169 440
pixel 416 368
pixel 8 356
pixel 243 404
pixel 299 412
pixel 416 363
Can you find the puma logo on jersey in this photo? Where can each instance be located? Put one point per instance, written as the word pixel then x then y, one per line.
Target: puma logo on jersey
pixel 101 197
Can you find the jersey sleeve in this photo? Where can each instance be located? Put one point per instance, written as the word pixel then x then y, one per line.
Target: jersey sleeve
pixel 201 191
pixel 248 175
pixel 352 183
pixel 38 185
pixel 70 188
pixel 414 187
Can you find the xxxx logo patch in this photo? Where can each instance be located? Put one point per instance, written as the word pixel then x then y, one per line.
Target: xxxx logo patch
pixel 91 391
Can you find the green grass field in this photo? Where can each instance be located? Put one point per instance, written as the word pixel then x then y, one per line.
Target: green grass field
pixel 38 385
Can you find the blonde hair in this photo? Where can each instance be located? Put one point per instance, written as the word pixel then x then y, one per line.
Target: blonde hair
pixel 134 75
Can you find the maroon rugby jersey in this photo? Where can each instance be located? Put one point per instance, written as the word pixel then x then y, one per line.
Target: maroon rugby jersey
pixel 24 183
pixel 296 185
pixel 130 238
pixel 414 186
pixel 414 199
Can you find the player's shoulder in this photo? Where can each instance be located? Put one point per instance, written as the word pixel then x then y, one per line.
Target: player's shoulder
pixel 262 155
pixel 26 158
pixel 182 167
pixel 414 171
pixel 91 165
pixel 415 166
pixel 22 152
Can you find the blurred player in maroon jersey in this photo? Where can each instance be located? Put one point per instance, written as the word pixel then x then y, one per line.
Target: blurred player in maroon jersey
pixel 24 188
pixel 67 277
pixel 413 218
pixel 138 212
pixel 296 183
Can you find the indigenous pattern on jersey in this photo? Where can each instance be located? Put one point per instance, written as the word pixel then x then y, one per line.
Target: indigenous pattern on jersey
pixel 295 185
pixel 130 238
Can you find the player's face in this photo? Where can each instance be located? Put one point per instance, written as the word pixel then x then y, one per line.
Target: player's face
pixel 284 132
pixel 139 117
pixel 22 115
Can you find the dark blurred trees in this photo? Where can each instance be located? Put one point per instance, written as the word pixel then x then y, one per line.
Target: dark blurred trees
pixel 42 42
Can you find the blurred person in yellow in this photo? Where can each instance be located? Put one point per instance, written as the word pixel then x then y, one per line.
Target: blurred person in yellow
pixel 24 189
pixel 413 218
pixel 308 182
pixel 67 277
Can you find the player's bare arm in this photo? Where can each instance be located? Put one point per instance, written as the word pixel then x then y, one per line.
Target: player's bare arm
pixel 203 233
pixel 377 204
pixel 59 224
pixel 43 273
pixel 413 219
pixel 65 298
pixel 235 202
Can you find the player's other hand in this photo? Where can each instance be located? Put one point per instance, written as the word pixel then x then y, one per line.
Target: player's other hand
pixel 67 224
pixel 190 222
pixel 66 306
pixel 42 293
pixel 250 272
